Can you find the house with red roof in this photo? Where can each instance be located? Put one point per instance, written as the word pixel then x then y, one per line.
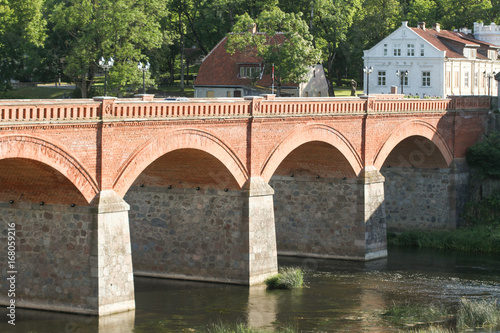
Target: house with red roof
pixel 222 74
pixel 432 62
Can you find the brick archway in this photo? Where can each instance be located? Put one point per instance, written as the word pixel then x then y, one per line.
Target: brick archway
pixel 406 130
pixel 51 154
pixel 156 147
pixel 305 134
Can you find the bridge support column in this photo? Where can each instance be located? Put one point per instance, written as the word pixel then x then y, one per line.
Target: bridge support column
pixel 258 214
pixel 459 191
pixel 372 210
pixel 111 256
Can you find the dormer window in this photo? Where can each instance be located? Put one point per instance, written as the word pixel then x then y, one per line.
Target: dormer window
pixel 249 71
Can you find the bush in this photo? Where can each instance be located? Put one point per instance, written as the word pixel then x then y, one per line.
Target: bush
pixel 484 212
pixel 287 278
pixel 485 156
pixel 481 313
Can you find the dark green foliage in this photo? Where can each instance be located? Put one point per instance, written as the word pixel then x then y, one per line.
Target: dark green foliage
pixel 485 156
pixel 484 212
pixel 472 239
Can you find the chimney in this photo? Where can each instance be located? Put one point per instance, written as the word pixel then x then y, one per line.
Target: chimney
pixel 437 27
pixel 252 28
pixel 421 25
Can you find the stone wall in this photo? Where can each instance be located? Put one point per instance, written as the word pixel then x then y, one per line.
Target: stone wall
pixel 318 217
pixel 53 249
pixel 420 198
pixel 189 234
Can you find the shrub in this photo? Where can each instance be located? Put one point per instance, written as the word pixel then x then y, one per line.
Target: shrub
pixel 485 156
pixel 287 278
pixel 481 313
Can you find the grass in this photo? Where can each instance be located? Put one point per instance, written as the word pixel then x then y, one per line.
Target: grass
pixel 482 313
pixel 413 313
pixel 222 327
pixel 287 278
pixel 485 239
pixel 36 93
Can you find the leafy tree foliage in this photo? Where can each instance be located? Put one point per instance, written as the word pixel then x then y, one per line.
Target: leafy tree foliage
pixel 292 53
pixel 121 29
pixel 485 156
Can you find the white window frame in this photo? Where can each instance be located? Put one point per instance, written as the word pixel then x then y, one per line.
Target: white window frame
pixel 397 50
pixel 422 50
pixel 426 79
pixel 385 49
pixel 410 50
pixel 381 78
pixel 466 79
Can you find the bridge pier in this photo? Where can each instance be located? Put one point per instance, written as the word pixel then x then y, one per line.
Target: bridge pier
pixel 70 258
pixel 205 234
pixel 339 218
pixel 111 256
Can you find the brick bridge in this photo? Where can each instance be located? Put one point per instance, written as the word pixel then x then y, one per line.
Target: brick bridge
pixel 213 190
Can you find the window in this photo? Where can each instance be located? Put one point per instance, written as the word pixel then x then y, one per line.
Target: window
pixel 210 93
pixel 397 50
pixel 456 80
pixel 385 49
pixel 248 72
pixel 306 94
pixel 426 79
pixel 475 79
pixel 237 93
pixel 381 78
pixel 319 93
pixel 466 79
pixel 228 93
pixel 410 50
pixel 422 50
pixel 448 79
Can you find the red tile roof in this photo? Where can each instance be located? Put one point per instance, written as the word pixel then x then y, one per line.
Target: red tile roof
pixel 444 39
pixel 221 68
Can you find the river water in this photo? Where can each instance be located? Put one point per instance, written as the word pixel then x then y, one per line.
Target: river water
pixel 340 296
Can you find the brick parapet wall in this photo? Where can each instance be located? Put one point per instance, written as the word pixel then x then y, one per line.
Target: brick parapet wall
pixel 136 108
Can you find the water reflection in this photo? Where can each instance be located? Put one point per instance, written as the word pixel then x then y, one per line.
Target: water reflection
pixel 341 296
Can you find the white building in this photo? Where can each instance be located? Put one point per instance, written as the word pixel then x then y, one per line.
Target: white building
pixel 439 63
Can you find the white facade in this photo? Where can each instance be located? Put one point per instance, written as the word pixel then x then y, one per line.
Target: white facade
pixel 439 64
pixel 488 33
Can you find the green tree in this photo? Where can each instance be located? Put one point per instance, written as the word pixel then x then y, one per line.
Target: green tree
pixel 463 13
pixel 422 11
pixel 122 29
pixel 332 20
pixel 283 40
pixel 22 31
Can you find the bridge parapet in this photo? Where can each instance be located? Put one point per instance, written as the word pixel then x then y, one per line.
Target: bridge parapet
pixel 113 108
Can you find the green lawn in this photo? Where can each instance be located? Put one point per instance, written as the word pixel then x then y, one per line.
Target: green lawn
pixel 35 93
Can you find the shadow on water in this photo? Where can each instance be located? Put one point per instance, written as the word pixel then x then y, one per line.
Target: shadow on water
pixel 340 296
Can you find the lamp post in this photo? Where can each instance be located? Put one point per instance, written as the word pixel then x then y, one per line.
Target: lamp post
pixel 368 71
pixel 489 76
pixel 106 66
pixel 402 75
pixel 143 69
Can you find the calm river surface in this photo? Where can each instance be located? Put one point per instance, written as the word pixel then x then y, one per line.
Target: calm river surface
pixel 341 296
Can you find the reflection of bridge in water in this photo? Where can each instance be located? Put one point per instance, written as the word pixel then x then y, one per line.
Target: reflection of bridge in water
pixel 212 190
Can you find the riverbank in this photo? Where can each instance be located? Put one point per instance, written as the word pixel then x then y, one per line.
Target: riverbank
pixel 484 239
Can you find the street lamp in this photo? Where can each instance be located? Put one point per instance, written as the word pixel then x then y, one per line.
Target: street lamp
pixel 106 66
pixel 489 76
pixel 402 75
pixel 368 71
pixel 143 69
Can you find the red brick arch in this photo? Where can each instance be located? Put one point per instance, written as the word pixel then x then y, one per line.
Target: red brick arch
pixel 305 134
pixel 406 130
pixel 158 146
pixel 52 154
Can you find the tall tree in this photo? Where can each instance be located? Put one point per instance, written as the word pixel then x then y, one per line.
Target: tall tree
pixel 22 31
pixel 332 20
pixel 283 40
pixel 122 29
